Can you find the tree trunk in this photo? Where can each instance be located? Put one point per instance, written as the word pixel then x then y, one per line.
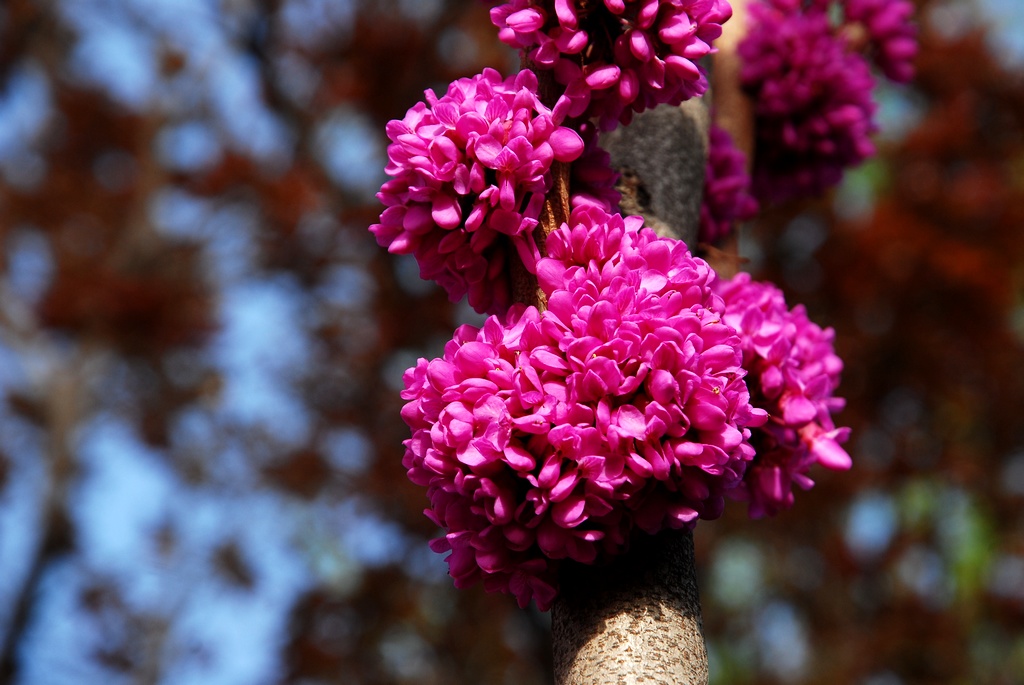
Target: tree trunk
pixel 636 620
pixel 661 157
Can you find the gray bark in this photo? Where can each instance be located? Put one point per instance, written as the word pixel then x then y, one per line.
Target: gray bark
pixel 661 156
pixel 635 621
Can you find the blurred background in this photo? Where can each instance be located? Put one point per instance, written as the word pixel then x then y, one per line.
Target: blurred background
pixel 201 348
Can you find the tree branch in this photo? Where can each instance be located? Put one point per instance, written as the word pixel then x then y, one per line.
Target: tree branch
pixel 661 157
pixel 639 619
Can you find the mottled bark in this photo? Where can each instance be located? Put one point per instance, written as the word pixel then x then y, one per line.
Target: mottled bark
pixel 661 157
pixel 634 621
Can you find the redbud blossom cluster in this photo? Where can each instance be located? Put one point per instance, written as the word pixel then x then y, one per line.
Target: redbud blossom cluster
pixel 553 435
pixel 727 199
pixel 469 172
pixel 891 34
pixel 812 87
pixel 813 109
pixel 793 373
pixel 648 392
pixel 616 57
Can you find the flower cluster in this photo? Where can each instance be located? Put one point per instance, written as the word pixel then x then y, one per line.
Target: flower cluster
pixel 793 372
pixel 624 406
pixel 806 64
pixel 812 100
pixel 616 57
pixel 553 435
pixel 727 199
pixel 469 172
pixel 892 35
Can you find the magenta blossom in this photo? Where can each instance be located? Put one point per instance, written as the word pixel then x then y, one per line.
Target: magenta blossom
pixel 891 33
pixel 469 173
pixel 727 199
pixel 813 108
pixel 554 435
pixel 793 371
pixel 616 57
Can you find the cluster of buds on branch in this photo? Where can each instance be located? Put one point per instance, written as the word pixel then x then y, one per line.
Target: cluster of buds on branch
pixel 638 391
pixel 807 67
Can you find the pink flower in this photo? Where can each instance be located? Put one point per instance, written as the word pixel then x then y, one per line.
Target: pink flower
pixel 469 172
pixel 727 198
pixel 814 112
pixel 793 371
pixel 891 32
pixel 616 57
pixel 553 435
